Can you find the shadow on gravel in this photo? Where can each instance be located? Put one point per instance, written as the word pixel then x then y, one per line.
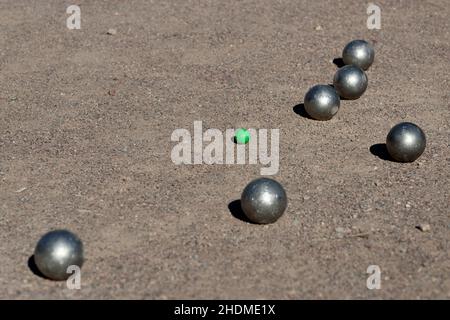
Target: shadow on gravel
pixel 33 267
pixel 338 62
pixel 380 151
pixel 300 110
pixel 236 211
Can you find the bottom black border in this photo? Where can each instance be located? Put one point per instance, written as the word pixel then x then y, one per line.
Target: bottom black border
pixel 221 309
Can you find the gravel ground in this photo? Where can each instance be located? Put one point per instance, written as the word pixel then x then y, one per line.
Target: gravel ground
pixel 86 118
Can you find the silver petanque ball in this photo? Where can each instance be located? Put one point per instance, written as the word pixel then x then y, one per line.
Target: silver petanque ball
pixel 406 142
pixel 263 201
pixel 350 82
pixel 322 102
pixel 359 53
pixel 56 251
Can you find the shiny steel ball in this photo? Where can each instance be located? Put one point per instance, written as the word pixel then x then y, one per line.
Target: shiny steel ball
pixel 263 201
pixel 322 102
pixel 359 53
pixel 350 82
pixel 56 251
pixel 406 142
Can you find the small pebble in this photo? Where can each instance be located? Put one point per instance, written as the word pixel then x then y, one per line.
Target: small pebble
pixel 424 227
pixel 341 232
pixel 111 32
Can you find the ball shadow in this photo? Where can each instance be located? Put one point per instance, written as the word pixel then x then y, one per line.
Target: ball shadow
pixel 33 267
pixel 380 150
pixel 301 111
pixel 338 62
pixel 236 211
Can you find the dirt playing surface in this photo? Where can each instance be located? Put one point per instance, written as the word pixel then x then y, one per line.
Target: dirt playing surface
pixel 86 120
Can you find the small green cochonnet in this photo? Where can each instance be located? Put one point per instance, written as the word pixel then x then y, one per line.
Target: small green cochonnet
pixel 242 136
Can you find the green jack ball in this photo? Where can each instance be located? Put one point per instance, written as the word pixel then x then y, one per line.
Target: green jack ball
pixel 242 136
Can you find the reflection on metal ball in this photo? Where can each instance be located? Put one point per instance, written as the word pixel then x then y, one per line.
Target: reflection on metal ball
pixel 56 251
pixel 406 142
pixel 350 82
pixel 322 102
pixel 263 201
pixel 359 53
